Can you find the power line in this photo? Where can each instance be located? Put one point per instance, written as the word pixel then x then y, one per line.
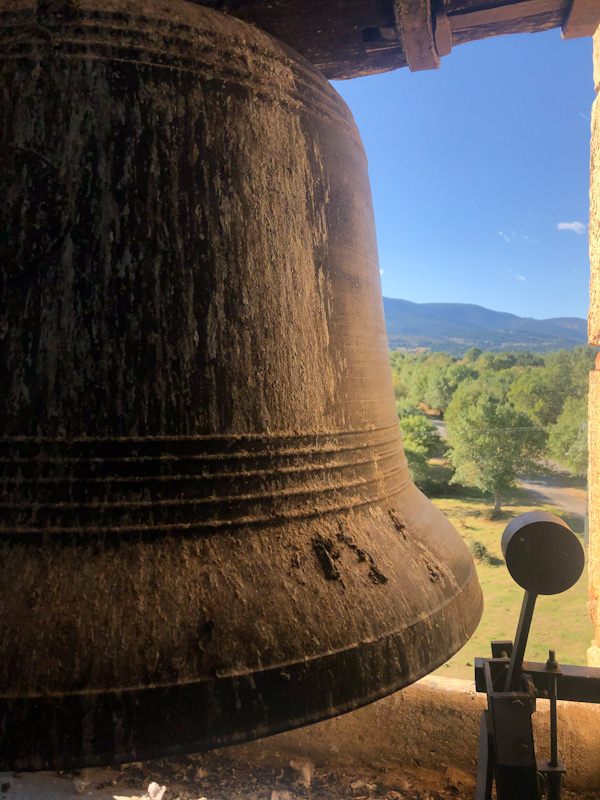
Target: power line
pixel 583 426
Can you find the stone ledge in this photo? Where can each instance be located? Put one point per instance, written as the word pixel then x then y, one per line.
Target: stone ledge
pixel 427 733
pixel 433 724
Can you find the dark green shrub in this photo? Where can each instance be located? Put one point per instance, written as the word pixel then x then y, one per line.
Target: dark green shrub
pixel 480 552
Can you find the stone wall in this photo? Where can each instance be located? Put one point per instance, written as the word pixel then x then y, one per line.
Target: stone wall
pixel 594 338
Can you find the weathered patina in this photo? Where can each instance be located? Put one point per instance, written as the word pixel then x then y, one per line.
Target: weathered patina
pixel 208 528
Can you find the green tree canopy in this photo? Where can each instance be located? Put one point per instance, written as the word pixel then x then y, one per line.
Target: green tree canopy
pixel 440 358
pixel 472 355
pixel 540 393
pixel 400 389
pixel 571 368
pixel 443 380
pixel 567 442
pixel 496 361
pixel 527 359
pixel 420 439
pixel 491 442
pixel 409 375
pixel 504 361
pixel 459 373
pixel 493 384
pixel 438 391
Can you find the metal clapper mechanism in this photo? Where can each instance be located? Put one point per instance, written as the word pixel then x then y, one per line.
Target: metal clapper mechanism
pixel 543 556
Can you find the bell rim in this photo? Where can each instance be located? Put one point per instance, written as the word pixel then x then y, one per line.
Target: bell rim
pixel 161 717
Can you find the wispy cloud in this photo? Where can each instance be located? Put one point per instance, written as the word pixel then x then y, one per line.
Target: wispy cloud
pixel 581 114
pixel 510 236
pixel 576 227
pixel 516 275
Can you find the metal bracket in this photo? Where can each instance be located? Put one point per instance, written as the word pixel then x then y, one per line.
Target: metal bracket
pixel 506 744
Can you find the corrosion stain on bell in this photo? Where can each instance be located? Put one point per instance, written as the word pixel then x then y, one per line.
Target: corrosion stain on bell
pixel 196 399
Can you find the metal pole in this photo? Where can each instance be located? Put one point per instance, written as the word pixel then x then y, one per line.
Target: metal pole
pixel 554 778
pixel 515 666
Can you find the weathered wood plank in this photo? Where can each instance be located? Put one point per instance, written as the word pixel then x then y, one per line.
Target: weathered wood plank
pixel 457 6
pixel 518 13
pixel 542 22
pixel 583 19
pixel 343 38
pixel 415 25
pixel 349 38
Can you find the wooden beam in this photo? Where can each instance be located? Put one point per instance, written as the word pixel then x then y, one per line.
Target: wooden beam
pixel 499 14
pixel 348 38
pixel 583 19
pixel 414 21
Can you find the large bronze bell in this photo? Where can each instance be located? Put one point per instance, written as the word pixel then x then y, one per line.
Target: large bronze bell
pixel 208 529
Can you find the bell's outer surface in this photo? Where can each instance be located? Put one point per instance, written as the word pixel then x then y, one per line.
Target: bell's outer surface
pixel 208 529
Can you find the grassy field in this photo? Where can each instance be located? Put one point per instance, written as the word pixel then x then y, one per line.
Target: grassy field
pixel 561 621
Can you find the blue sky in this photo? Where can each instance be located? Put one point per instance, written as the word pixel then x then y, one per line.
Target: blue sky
pixel 473 169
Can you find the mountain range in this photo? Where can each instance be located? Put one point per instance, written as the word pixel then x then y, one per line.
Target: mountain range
pixel 455 327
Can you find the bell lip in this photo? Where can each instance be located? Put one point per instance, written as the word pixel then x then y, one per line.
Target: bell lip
pixel 100 728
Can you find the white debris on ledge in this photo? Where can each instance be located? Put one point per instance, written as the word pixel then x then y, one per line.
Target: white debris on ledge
pixel 231 776
pixel 96 784
pixel 305 768
pixel 218 776
pixel 156 792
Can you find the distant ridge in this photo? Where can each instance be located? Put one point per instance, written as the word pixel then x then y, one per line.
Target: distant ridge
pixel 455 327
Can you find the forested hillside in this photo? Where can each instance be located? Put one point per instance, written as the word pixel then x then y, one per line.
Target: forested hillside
pixel 455 327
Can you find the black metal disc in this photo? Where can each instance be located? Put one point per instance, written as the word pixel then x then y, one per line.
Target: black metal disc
pixel 542 553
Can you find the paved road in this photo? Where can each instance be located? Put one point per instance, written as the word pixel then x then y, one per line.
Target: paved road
pixel 549 490
pixel 440 425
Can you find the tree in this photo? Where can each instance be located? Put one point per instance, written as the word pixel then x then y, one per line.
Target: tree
pixel 572 368
pixel 493 384
pixel 527 359
pixel 540 393
pixel 443 380
pixel 420 439
pixel 491 443
pixel 438 392
pixel 459 373
pixel 472 355
pixel 416 380
pixel 495 361
pixel 504 361
pixel 567 442
pixel 400 390
pixel 404 408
